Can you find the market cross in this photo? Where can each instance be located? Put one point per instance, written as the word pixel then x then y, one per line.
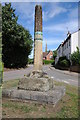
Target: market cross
pixel 38 38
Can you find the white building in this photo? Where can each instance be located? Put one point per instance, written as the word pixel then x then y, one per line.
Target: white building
pixel 69 45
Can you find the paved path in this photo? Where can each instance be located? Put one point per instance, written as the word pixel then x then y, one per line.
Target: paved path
pixel 59 75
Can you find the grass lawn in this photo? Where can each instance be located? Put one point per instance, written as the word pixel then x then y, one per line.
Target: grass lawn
pixel 65 108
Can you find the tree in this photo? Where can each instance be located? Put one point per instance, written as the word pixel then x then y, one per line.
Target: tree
pixel 17 41
pixel 75 57
pixel 1 66
pixel 54 54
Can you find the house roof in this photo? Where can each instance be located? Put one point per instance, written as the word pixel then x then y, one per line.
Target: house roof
pixel 46 53
pixel 66 40
pixel 59 46
pixel 76 31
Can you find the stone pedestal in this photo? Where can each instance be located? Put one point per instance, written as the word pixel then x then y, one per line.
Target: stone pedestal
pixel 36 86
pixel 36 81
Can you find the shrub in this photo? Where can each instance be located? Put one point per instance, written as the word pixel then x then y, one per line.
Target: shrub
pixel 62 58
pixel 63 62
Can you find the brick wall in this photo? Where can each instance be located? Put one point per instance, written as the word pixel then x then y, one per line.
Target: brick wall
pixel 49 56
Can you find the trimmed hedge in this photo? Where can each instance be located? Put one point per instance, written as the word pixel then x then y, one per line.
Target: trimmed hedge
pixel 48 61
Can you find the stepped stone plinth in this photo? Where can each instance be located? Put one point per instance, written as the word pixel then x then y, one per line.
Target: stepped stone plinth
pixel 36 81
pixel 36 86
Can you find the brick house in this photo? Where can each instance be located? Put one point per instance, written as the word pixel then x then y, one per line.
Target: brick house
pixel 48 55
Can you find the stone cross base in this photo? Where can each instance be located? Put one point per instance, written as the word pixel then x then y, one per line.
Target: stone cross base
pixel 36 81
pixel 36 86
pixel 51 96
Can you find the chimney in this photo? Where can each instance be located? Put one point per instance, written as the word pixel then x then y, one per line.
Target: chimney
pixel 68 34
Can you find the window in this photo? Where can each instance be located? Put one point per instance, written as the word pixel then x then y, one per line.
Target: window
pixel 69 42
pixel 59 50
pixel 65 45
pixel 63 48
pixel 51 56
pixel 69 55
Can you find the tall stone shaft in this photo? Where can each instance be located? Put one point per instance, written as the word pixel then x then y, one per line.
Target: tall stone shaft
pixel 38 38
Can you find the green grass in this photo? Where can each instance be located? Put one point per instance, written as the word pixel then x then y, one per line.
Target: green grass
pixel 18 107
pixel 70 108
pixel 65 108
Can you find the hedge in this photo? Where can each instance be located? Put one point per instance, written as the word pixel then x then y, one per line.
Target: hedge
pixel 48 61
pixel 30 61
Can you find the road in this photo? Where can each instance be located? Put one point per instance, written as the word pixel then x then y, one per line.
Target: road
pixel 58 75
pixel 63 76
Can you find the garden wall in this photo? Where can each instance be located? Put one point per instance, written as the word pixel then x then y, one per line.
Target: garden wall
pixel 75 69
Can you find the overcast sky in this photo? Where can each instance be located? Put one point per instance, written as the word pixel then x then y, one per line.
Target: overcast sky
pixel 58 18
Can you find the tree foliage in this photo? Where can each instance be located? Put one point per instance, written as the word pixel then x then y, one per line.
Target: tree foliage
pixel 54 54
pixel 17 41
pixel 75 57
pixel 1 65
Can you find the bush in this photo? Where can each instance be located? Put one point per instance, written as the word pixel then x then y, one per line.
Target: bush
pixel 63 62
pixel 62 58
pixel 48 61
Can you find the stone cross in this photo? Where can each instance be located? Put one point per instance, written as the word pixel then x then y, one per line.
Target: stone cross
pixel 38 38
